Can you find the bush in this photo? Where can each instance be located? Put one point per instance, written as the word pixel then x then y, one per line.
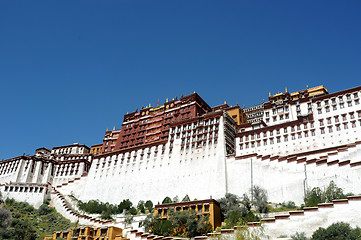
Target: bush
pixel 316 195
pixel 337 231
pixel 260 199
pixel 44 209
pixel 149 205
pixel 299 236
pixel 167 200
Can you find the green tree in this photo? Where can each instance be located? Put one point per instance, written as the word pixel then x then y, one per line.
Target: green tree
pixel 337 231
pixel 167 200
pixel 141 206
pixel 186 198
pixel 260 199
pixel 128 220
pixel 149 205
pixel 299 236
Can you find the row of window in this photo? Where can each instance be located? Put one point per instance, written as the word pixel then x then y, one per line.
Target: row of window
pixel 277 131
pixel 334 107
pixel 339 98
pixel 299 135
pixel 23 189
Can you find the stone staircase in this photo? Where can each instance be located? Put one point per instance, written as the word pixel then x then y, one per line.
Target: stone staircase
pixel 68 211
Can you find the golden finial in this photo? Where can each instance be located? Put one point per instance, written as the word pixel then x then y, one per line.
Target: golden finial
pixel 269 94
pixel 225 102
pixel 307 86
pixel 107 130
pixel 167 100
pixel 150 105
pixel 114 128
pixel 286 89
pixel 173 99
pixel 194 91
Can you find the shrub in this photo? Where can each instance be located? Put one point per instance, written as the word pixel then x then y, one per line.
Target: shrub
pixel 149 205
pixel 337 231
pixel 44 209
pixel 299 236
pixel 316 195
pixel 260 199
pixel 167 200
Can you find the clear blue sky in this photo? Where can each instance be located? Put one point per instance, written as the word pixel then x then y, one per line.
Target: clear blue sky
pixel 71 69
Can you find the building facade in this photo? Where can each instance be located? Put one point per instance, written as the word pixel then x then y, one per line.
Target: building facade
pixel 301 140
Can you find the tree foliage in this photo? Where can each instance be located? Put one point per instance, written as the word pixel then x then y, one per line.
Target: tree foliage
pixel 260 199
pixel 149 205
pixel 236 211
pixel 186 198
pixel 316 195
pixel 337 231
pixel 179 223
pixel 167 200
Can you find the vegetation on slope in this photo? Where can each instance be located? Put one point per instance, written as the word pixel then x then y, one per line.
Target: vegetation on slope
pixel 21 221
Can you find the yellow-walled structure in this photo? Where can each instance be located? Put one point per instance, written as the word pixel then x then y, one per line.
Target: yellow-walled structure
pixel 237 114
pixel 202 207
pixel 88 233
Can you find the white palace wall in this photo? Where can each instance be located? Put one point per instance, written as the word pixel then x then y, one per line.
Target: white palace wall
pixel 198 172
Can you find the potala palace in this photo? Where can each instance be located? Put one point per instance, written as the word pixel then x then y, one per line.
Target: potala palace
pixel 292 142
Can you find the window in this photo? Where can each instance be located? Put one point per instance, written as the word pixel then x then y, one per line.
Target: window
pixel 306 134
pixel 336 119
pixel 285 138
pixel 267 114
pixel 281 117
pixel 355 95
pixel 299 135
pixel 329 121
pixel 319 111
pixel 298 107
pixel 353 124
pixel 348 96
pixel 322 131
pixel 287 116
pixel 265 142
pixel 274 119
pixel 274 111
pixel 338 128
pixel 327 109
pixel 357 102
pixel 352 116
pixel 278 140
pixel 313 133
pixel 321 122
pixel 330 129
pixel 292 129
pixel 334 108
pixel 286 109
pixel 345 126
pixel 344 117
pixel 326 102
pixel 349 104
pixel 285 130
pixel 342 105
pixel 340 98
pixel 318 104
pixel 309 105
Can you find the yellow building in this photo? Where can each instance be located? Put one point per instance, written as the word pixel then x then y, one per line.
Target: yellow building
pixel 88 233
pixel 237 114
pixel 96 149
pixel 208 207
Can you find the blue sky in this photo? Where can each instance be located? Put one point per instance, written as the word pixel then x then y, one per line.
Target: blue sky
pixel 71 69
